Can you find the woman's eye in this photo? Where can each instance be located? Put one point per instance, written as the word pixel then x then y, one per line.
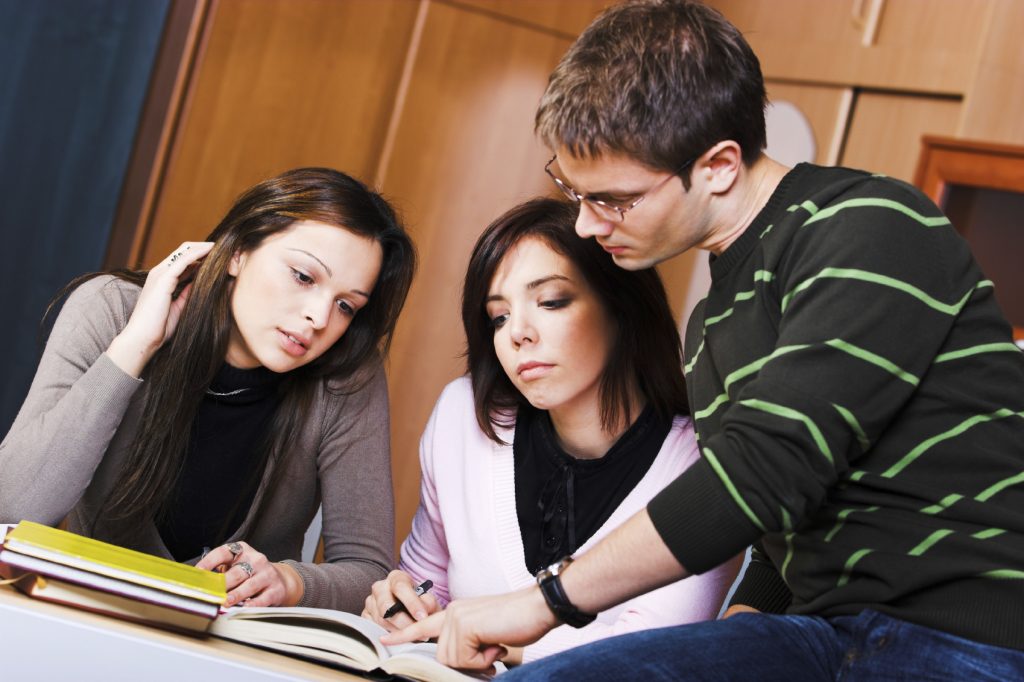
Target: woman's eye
pixel 498 321
pixel 301 277
pixel 555 304
pixel 344 307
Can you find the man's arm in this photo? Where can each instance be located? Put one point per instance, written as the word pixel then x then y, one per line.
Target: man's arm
pixel 470 632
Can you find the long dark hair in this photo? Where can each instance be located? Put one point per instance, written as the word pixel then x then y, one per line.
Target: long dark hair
pixel 179 373
pixel 646 351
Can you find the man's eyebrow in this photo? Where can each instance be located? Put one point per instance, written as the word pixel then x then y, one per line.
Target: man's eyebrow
pixel 531 285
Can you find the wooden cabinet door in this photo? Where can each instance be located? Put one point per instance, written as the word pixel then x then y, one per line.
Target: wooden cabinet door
pixel 917 45
pixel 279 84
pixel 463 153
pixel 827 109
pixel 886 129
pixel 565 16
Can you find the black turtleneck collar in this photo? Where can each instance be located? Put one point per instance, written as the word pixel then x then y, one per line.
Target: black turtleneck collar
pixel 241 386
pixel 225 461
pixel 562 501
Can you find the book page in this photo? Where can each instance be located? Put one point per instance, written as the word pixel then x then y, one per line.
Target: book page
pixel 419 662
pixel 351 636
pixel 335 637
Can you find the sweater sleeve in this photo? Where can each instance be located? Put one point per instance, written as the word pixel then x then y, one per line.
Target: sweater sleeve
pixel 865 294
pixel 762 587
pixel 424 554
pixel 354 470
pixel 73 408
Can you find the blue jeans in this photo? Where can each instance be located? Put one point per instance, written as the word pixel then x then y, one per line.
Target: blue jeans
pixel 870 646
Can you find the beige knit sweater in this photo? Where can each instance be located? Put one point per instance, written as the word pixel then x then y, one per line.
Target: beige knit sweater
pixel 67 445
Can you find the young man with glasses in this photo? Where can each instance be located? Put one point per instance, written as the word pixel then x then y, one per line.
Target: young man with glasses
pixel 858 399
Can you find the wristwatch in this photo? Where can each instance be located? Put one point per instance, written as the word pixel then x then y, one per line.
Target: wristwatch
pixel 551 587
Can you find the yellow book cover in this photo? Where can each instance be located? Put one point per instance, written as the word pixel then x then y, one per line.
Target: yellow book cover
pixel 95 556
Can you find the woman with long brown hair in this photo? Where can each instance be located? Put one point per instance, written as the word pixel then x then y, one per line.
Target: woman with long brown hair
pixel 217 399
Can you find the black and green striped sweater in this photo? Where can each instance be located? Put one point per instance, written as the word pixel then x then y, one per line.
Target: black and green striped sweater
pixel 859 406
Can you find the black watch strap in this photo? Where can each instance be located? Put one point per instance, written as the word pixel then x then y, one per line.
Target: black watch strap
pixel 550 582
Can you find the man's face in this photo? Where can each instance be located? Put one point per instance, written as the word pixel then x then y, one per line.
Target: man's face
pixel 668 221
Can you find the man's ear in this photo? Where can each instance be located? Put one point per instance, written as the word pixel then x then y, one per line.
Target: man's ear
pixel 721 166
pixel 236 263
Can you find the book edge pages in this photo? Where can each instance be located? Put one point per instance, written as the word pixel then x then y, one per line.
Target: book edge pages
pixel 115 605
pixel 126 575
pixel 104 583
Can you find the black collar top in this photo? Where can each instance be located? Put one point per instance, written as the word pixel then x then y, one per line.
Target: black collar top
pixel 561 501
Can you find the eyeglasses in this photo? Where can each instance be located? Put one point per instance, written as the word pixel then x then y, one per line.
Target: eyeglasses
pixel 606 209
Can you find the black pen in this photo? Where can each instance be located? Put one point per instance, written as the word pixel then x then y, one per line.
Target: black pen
pixel 399 607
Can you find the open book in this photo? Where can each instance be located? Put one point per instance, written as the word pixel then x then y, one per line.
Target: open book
pixel 336 637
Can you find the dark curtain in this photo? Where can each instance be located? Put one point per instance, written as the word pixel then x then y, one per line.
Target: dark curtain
pixel 73 76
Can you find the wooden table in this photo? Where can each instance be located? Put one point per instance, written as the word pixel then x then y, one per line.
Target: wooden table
pixel 46 641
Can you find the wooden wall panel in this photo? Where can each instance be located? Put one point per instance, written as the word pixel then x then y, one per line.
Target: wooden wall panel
pixel 463 152
pixel 994 107
pixel 886 130
pixel 825 107
pixel 569 17
pixel 279 84
pixel 917 45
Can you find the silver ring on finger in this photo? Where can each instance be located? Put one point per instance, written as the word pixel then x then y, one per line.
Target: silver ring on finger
pixel 247 567
pixel 235 548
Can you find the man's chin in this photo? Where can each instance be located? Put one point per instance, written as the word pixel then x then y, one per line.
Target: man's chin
pixel 630 261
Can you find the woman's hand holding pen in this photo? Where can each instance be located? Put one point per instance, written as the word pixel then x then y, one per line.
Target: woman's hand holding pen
pixel 251 579
pixel 399 590
pixel 156 313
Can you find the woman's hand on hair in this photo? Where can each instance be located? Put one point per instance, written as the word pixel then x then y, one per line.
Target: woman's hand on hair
pixel 398 587
pixel 157 311
pixel 251 579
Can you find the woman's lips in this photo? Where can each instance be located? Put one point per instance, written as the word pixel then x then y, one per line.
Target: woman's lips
pixel 293 344
pixel 528 371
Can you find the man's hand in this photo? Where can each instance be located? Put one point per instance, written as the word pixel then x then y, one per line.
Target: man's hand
pixel 471 632
pixel 468 631
pixel 738 608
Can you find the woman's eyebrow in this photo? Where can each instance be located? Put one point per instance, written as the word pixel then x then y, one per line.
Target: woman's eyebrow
pixel 530 285
pixel 543 280
pixel 330 273
pixel 322 264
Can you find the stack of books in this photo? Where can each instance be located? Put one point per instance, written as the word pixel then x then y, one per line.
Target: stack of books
pixel 62 567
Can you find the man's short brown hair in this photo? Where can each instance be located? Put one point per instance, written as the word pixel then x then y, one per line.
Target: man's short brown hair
pixel 660 81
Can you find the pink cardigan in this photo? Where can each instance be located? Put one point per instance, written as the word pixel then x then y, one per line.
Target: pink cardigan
pixel 465 536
